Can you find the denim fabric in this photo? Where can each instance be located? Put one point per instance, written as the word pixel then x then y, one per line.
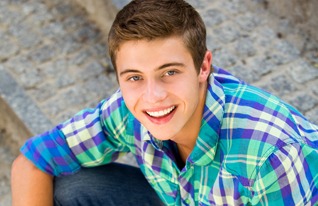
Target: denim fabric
pixel 111 184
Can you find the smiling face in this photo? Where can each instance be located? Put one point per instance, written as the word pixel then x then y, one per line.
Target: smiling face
pixel 161 86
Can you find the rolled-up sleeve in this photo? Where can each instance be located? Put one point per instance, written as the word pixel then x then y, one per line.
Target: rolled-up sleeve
pixel 51 153
pixel 88 139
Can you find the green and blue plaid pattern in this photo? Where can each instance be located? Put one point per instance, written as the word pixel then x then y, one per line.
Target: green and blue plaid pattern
pixel 252 149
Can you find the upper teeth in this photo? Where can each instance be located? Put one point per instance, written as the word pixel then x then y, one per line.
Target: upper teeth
pixel 161 113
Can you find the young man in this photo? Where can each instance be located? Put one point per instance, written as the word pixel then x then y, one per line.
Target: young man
pixel 198 138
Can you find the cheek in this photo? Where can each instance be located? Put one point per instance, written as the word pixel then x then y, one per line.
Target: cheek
pixel 131 99
pixel 192 95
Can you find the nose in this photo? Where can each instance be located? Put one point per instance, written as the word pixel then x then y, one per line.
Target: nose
pixel 154 92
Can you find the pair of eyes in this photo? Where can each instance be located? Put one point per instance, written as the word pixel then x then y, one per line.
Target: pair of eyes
pixel 135 78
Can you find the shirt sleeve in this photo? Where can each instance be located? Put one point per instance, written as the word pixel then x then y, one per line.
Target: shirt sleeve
pixel 288 177
pixel 85 140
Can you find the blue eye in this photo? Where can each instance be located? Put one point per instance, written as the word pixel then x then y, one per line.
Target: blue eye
pixel 134 78
pixel 170 73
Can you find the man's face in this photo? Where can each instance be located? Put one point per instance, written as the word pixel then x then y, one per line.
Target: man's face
pixel 160 85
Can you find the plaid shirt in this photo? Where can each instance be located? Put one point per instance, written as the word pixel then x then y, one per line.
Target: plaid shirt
pixel 253 149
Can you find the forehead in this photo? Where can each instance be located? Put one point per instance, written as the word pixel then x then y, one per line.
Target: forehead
pixel 152 52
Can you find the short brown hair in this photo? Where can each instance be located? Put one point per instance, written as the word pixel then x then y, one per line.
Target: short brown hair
pixel 152 19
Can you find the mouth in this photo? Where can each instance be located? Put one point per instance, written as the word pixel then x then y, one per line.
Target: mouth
pixel 162 116
pixel 161 113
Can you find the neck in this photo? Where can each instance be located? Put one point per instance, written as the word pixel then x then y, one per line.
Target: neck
pixel 186 140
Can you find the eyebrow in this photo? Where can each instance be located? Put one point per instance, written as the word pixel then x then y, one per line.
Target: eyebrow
pixel 129 71
pixel 170 65
pixel 159 68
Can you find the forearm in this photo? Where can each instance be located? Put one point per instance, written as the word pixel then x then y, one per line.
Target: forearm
pixel 30 186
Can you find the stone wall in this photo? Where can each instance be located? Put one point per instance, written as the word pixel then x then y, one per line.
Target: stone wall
pixel 12 129
pixel 300 12
pixel 102 12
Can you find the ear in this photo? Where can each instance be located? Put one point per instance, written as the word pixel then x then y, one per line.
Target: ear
pixel 205 69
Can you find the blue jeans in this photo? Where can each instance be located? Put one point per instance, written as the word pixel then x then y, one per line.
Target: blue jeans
pixel 112 184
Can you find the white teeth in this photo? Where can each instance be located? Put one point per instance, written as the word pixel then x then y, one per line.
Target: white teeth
pixel 161 113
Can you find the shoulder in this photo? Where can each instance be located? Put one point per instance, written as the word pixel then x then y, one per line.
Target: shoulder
pixel 113 106
pixel 255 126
pixel 115 116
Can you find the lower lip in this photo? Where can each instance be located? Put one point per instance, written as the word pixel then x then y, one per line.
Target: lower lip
pixel 163 119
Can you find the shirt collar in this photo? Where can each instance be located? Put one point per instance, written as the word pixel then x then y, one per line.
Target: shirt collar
pixel 206 144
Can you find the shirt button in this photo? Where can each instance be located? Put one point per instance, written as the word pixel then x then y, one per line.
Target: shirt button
pixel 187 201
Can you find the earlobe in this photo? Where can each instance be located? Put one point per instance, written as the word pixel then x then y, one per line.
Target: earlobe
pixel 206 66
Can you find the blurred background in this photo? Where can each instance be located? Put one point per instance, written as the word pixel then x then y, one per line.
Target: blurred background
pixel 54 61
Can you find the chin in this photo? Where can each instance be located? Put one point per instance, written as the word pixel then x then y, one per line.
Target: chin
pixel 162 135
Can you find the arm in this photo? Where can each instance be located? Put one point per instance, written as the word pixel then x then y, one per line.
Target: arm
pixel 29 185
pixel 58 152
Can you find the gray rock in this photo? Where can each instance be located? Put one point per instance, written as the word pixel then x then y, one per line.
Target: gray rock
pixel 302 71
pixel 263 65
pixel 244 73
pixel 10 17
pixel 290 51
pixel 43 53
pixel 248 21
pixel 40 14
pixel 93 69
pixel 245 47
pixel 25 35
pixel 81 57
pixel 277 58
pixel 228 33
pixel 304 102
pixel 7 49
pixel 213 44
pixel 73 22
pixel 224 59
pixel 24 107
pixel 54 67
pixel 31 78
pixel 234 7
pixel 19 64
pixel 315 89
pixel 68 44
pixel 65 80
pixel 54 30
pixel 265 37
pixel 283 85
pixel 86 33
pixel 43 92
pixel 213 17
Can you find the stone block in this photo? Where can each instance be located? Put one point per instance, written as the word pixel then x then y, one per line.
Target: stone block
pixel 227 33
pixel 304 102
pixel 302 71
pixel 301 12
pixel 283 85
pixel 213 17
pixel 245 47
pixel 26 118
pixel 100 11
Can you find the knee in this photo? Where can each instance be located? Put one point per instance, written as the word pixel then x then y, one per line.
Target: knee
pixel 87 187
pixel 67 192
